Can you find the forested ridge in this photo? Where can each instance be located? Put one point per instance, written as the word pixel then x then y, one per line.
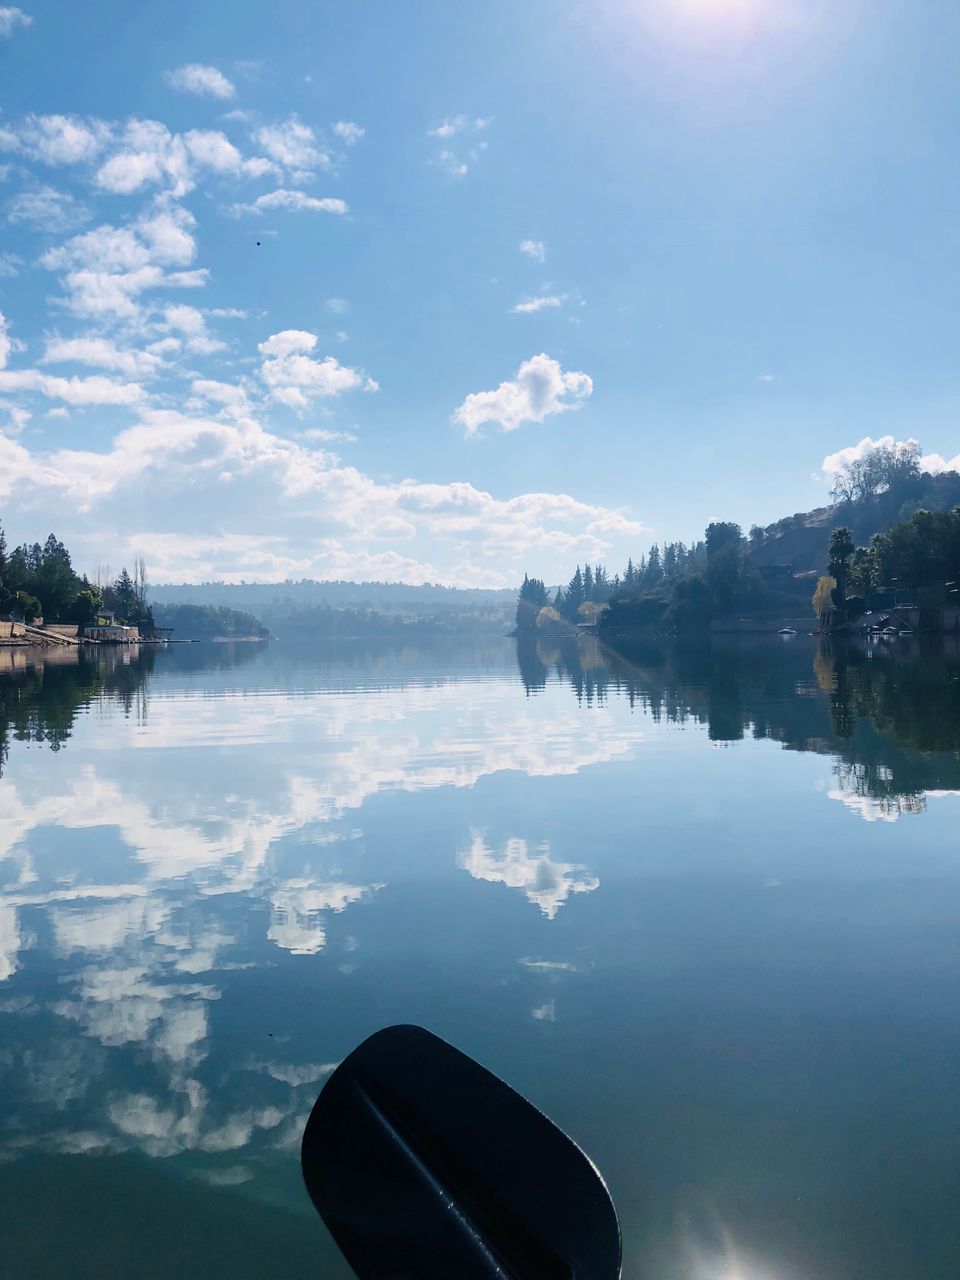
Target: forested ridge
pixel 891 526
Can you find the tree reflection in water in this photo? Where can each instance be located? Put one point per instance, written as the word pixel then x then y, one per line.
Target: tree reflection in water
pixel 889 714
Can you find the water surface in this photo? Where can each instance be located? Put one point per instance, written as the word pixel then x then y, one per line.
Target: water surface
pixel 701 905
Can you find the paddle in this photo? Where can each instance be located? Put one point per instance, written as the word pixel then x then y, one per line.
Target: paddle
pixel 425 1166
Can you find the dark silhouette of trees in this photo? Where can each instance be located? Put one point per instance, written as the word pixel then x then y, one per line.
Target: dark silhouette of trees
pixel 842 548
pixel 882 469
pixel 533 597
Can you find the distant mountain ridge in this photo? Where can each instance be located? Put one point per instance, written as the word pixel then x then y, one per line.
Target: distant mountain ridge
pixel 310 591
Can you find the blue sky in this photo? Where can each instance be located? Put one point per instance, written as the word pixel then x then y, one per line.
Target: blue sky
pixel 535 282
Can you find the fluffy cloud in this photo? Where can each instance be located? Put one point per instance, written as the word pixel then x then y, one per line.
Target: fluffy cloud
pixel 244 477
pixel 540 389
pixel 46 209
pixel 835 464
pixel 350 133
pixel 190 322
pixel 535 249
pixel 149 154
pixel 76 391
pixel 11 18
pixel 295 201
pixel 294 377
pixel 935 463
pixel 545 883
pixel 199 79
pixel 132 155
pixel 294 145
pixel 530 305
pixel 106 269
pixel 6 342
pixel 59 139
pixel 102 353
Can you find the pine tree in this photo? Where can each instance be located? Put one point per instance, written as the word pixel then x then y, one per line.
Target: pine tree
pixel 574 595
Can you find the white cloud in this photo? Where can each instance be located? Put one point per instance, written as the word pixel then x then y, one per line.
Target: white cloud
pixel 350 133
pixel 297 924
pixel 11 18
pixel 296 201
pixel 105 270
pixel 10 265
pixel 194 77
pixel 449 127
pixel 60 139
pixel 191 322
pixel 148 154
pixel 535 249
pixel 545 883
pixel 935 463
pixel 452 164
pixel 77 391
pixel 540 389
pixel 455 158
pixel 233 398
pixel 131 156
pixel 293 144
pixel 46 209
pixel 530 305
pixel 101 352
pixel 835 464
pixel 6 342
pixel 294 377
pixel 338 306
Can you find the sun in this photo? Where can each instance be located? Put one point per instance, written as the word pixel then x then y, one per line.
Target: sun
pixel 719 9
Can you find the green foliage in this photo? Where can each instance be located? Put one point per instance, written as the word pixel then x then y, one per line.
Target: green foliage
pixel 206 622
pixel 842 548
pixel 724 548
pixel 533 597
pixel 28 605
pixel 883 469
pixel 86 606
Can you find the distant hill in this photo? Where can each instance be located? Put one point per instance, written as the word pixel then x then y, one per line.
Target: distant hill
pixel 310 608
pixel 208 622
pixel 286 596
pixel 803 540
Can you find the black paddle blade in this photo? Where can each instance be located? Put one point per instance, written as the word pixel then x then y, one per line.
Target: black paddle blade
pixel 426 1167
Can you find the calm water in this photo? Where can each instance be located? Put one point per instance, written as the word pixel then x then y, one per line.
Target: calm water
pixel 702 907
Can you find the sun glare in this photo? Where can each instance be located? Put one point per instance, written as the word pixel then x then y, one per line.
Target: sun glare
pixel 719 9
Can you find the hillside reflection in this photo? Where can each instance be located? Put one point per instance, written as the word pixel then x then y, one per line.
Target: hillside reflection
pixel 888 713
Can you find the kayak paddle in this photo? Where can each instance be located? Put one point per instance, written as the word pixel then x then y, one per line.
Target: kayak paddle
pixel 425 1166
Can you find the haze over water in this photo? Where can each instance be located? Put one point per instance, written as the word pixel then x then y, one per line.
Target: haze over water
pixel 700 905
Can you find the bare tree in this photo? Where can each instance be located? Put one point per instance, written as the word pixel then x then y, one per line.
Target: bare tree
pixel 140 582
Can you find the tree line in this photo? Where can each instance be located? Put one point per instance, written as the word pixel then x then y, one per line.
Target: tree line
pixel 682 582
pixel 591 588
pixel 39 580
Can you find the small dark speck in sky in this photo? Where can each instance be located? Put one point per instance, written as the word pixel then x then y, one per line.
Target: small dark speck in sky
pixel 258 244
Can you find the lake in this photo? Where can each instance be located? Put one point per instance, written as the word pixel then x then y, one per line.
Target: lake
pixel 701 905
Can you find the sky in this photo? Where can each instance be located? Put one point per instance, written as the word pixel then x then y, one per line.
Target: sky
pixel 434 292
